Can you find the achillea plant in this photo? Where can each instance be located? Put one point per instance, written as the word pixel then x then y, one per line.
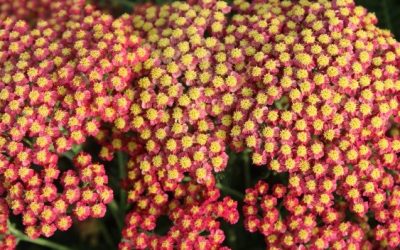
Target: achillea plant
pixel 309 88
pixel 320 96
pixel 178 113
pixel 186 92
pixel 58 80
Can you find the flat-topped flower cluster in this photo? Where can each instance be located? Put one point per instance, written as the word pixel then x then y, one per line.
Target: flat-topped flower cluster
pixel 309 87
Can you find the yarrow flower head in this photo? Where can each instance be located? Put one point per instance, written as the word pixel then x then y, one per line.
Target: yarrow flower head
pixel 320 94
pixel 187 88
pixel 57 82
pixel 177 114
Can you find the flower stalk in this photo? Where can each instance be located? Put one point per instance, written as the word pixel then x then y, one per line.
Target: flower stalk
pixel 39 241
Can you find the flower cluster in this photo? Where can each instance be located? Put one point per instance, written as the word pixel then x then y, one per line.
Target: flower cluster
pixel 177 115
pixel 310 87
pixel 320 96
pixel 299 226
pixel 7 241
pixel 192 209
pixel 186 89
pixel 44 209
pixel 58 83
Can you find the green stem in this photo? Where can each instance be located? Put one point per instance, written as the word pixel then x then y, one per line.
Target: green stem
pixel 69 155
pixel 267 175
pixel 27 142
pixel 387 15
pixel 124 3
pixel 247 166
pixel 122 175
pixel 186 179
pixel 106 235
pixel 230 191
pixel 113 206
pixel 40 241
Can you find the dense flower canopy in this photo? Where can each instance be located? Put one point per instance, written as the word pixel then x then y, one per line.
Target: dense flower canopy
pixel 320 97
pixel 310 88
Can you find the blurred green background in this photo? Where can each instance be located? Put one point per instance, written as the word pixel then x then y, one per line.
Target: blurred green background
pixel 104 234
pixel 387 11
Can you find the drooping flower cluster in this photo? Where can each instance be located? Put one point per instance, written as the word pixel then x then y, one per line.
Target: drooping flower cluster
pixel 301 226
pixel 320 95
pixel 58 81
pixel 193 210
pixel 44 210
